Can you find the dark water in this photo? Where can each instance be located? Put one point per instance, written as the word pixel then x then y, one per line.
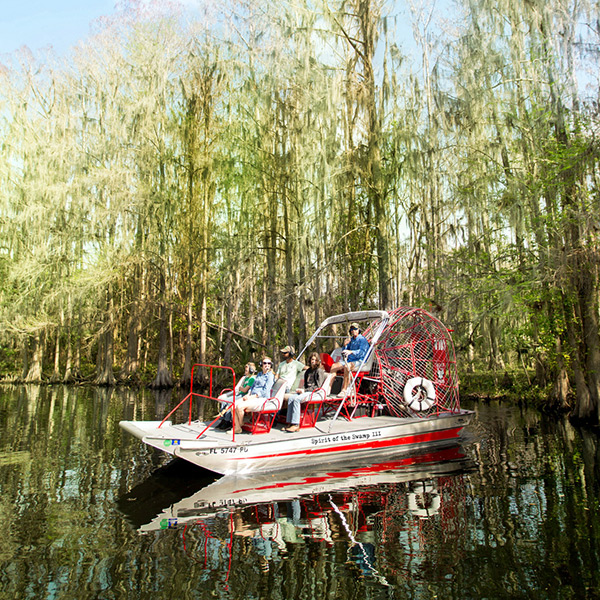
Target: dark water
pixel 87 511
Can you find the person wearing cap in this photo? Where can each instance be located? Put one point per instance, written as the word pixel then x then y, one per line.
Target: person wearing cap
pixel 289 368
pixel 353 354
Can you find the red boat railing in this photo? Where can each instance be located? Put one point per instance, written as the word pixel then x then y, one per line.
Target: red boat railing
pixel 210 396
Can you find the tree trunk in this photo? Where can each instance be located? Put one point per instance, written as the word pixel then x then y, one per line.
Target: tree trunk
pixel 228 320
pixel 25 357
pixel 302 335
pixel 130 369
pixel 203 333
pixel 77 350
pixel 186 375
pixel 68 377
pixel 55 377
pixel 163 377
pixel 589 314
pixel 317 296
pixel 289 267
pixel 560 389
pixel 368 15
pixel 272 298
pixel 582 318
pixel 34 374
pixel 581 308
pixel 496 360
pixel 105 374
pixel 584 405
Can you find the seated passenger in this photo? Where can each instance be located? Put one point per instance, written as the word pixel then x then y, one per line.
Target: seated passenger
pixel 314 378
pixel 259 392
pixel 353 354
pixel 289 368
pixel 241 389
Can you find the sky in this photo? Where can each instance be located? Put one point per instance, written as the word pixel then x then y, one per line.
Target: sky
pixel 57 23
pixel 39 23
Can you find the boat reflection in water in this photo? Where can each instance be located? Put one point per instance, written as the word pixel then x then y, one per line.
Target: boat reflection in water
pixel 368 508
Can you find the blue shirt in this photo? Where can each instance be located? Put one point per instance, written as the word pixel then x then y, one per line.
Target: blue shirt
pixel 262 385
pixel 359 346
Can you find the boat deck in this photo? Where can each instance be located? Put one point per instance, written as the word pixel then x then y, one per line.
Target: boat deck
pixel 187 433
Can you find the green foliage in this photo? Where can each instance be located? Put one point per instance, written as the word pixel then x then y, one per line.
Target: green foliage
pixel 167 176
pixel 512 386
pixel 9 360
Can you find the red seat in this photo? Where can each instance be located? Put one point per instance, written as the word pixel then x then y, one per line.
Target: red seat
pixel 261 421
pixel 357 403
pixel 326 361
pixel 262 418
pixel 310 410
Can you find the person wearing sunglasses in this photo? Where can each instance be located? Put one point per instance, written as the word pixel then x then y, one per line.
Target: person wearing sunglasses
pixel 259 392
pixel 353 353
pixel 241 389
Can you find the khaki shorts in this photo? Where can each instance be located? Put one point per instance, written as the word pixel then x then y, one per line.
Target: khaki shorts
pixel 250 403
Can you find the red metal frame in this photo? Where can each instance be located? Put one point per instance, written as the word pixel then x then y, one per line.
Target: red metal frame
pixel 211 396
pixel 311 409
pixel 416 344
pixel 350 408
pixel 262 420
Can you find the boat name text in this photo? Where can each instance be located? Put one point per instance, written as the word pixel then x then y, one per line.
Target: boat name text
pixel 345 437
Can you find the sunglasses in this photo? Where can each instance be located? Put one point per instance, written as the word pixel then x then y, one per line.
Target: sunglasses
pixel 262 364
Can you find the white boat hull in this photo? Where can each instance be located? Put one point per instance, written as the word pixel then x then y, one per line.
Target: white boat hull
pixel 331 441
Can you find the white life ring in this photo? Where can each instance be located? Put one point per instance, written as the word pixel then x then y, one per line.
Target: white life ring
pixel 425 394
pixel 424 504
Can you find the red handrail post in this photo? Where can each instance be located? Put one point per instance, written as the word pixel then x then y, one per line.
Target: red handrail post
pixel 191 393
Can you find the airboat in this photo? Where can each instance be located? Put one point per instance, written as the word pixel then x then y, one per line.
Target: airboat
pixel 403 398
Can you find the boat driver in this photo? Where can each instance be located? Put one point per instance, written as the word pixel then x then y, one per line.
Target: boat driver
pixel 353 354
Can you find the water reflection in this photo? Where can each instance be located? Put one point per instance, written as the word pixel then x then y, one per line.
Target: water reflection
pixel 162 400
pixel 373 520
pixel 418 474
pixel 87 511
